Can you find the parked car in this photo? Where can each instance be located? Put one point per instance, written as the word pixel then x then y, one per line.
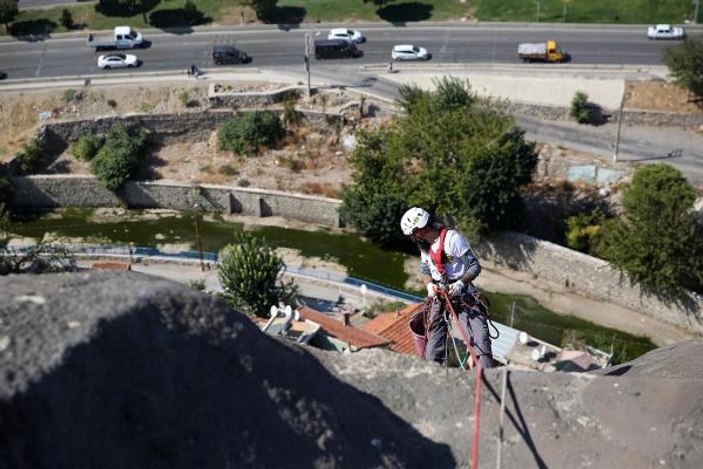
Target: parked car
pixel 117 61
pixel 229 55
pixel 665 31
pixel 409 52
pixel 347 34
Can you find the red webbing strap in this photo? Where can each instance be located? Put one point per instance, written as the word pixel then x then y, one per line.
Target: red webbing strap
pixel 437 256
pixel 477 396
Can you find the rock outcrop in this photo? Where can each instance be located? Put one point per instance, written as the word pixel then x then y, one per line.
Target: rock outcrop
pixel 118 369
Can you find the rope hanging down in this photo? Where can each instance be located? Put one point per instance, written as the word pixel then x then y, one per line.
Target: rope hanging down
pixel 479 377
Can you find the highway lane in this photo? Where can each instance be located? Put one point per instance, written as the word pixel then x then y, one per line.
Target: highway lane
pixel 272 47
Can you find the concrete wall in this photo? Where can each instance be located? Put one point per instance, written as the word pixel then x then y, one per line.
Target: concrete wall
pixel 47 192
pixel 587 276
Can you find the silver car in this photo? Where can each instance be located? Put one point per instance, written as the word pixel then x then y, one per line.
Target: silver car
pixel 117 61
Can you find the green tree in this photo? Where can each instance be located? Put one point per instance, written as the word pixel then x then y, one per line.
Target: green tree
pixel 8 11
pixel 264 9
pixel 658 241
pixel 251 274
pixel 245 134
pixel 117 160
pixel 87 147
pixel 685 63
pixel 453 153
pixel 66 19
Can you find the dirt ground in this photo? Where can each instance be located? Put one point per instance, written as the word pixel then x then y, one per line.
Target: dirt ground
pixel 308 161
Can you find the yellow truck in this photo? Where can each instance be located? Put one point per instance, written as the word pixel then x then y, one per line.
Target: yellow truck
pixel 548 51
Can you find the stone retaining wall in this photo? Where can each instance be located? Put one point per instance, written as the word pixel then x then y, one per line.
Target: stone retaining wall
pixel 48 192
pixel 167 128
pixel 218 96
pixel 586 275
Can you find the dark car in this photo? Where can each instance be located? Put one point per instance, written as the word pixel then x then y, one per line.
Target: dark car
pixel 229 55
pixel 335 49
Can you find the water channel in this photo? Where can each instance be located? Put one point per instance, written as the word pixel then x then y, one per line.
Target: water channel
pixel 166 229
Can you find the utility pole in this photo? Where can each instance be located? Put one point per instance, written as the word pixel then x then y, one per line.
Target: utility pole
pixel 695 11
pixel 309 50
pixel 197 236
pixel 617 136
pixel 196 206
pixel 538 5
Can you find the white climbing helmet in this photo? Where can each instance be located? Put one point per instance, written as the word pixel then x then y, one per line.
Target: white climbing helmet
pixel 415 218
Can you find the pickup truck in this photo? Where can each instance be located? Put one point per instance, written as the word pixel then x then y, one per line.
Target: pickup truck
pixel 123 37
pixel 548 51
pixel 665 31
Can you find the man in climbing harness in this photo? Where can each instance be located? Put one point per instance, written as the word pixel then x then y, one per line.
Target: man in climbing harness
pixel 447 263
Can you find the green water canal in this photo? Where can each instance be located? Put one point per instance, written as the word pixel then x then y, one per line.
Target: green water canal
pixel 361 259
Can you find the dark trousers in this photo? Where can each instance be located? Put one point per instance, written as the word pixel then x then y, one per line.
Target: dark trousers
pixel 471 318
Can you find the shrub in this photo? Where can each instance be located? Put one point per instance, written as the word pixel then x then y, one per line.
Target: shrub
pixel 227 170
pixel 583 231
pixel 87 147
pixel 119 156
pixel 69 95
pixel 29 157
pixel 112 103
pixel 580 109
pixel 247 133
pixel 290 115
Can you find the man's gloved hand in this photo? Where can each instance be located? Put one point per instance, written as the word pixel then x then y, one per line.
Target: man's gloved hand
pixel 431 290
pixel 455 288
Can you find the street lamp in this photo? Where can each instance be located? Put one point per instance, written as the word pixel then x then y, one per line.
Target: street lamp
pixel 309 50
pixel 538 2
pixel 695 11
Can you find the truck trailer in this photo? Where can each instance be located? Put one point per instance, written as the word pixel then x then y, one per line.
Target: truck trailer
pixel 548 51
pixel 123 37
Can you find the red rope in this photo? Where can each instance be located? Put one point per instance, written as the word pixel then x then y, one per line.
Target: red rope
pixel 477 396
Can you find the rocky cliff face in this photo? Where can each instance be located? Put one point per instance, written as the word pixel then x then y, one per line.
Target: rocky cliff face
pixel 108 369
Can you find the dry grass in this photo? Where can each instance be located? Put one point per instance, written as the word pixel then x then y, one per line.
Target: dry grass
pixel 309 160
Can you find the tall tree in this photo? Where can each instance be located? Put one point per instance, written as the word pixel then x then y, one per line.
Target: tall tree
pixel 453 153
pixel 251 273
pixel 658 241
pixel 8 11
pixel 685 63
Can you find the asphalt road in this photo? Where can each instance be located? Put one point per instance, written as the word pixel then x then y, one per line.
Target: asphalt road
pixel 69 55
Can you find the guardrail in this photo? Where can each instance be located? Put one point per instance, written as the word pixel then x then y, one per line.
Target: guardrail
pixel 136 252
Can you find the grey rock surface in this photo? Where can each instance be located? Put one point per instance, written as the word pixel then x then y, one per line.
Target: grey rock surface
pixel 108 369
pixel 644 413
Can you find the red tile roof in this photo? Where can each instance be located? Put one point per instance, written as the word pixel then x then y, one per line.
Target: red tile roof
pixel 394 327
pixel 351 335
